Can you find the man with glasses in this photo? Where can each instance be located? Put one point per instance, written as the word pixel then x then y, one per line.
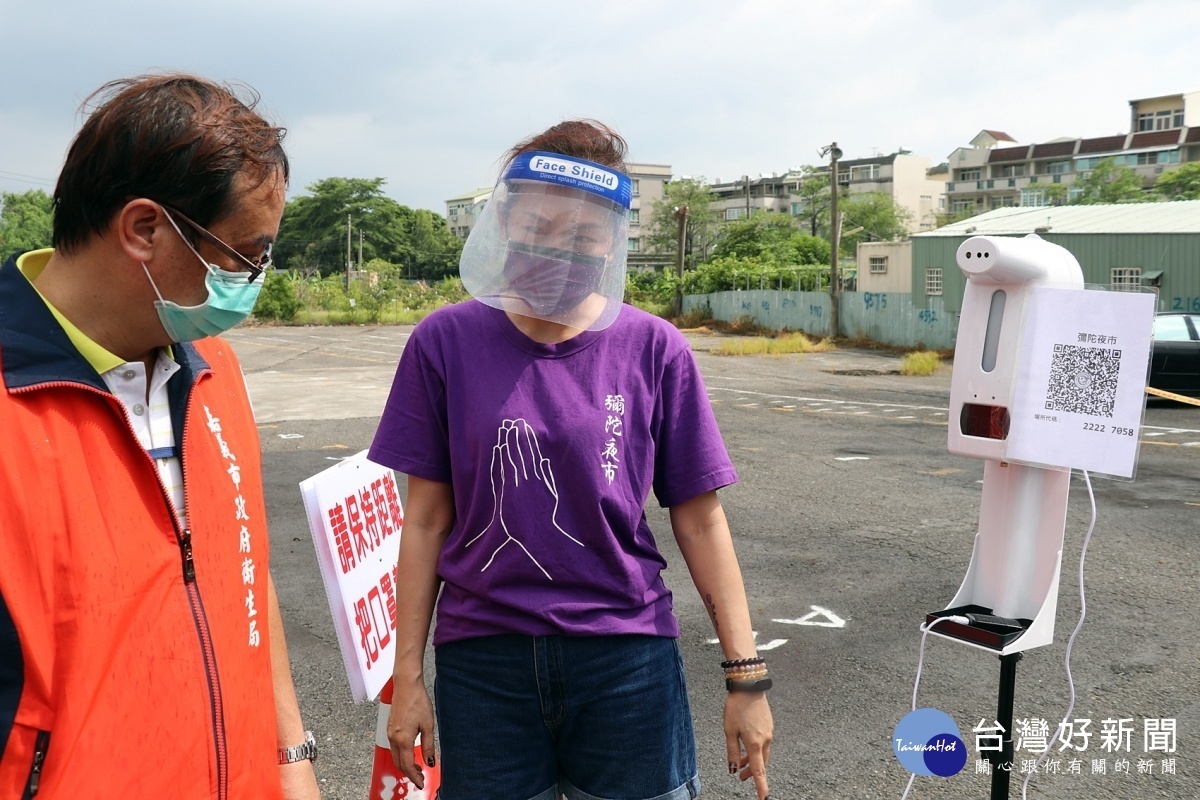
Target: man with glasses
pixel 141 647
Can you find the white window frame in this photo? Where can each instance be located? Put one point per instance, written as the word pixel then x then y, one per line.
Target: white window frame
pixel 634 244
pixel 971 174
pixel 1126 279
pixel 735 213
pixel 635 216
pixel 636 188
pixel 865 172
pixel 1033 198
pixel 878 264
pixel 933 281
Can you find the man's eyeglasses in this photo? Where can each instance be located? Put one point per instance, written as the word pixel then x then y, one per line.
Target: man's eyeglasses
pixel 255 268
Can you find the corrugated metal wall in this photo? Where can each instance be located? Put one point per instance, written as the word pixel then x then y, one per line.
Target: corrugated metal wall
pixel 887 318
pixel 891 318
pixel 1177 255
pixel 797 311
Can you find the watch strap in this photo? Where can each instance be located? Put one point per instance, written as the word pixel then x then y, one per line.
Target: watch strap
pixel 299 752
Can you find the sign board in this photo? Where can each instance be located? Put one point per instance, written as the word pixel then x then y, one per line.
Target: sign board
pixel 355 516
pixel 1081 380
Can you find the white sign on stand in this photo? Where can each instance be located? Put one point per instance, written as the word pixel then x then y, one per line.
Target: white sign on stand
pixel 355 516
pixel 1080 389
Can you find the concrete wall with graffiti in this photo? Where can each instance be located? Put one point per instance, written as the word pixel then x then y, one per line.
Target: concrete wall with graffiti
pixel 884 317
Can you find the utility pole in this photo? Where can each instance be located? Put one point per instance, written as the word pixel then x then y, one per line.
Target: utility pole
pixel 681 215
pixel 360 238
pixel 747 179
pixel 834 225
pixel 349 263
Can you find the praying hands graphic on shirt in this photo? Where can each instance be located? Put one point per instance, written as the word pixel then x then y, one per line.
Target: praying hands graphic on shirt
pixel 524 493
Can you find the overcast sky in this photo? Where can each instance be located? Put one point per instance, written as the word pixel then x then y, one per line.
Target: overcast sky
pixel 429 94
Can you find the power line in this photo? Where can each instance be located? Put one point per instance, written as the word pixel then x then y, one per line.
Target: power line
pixel 31 178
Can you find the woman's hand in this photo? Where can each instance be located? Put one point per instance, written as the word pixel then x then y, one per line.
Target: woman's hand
pixel 748 733
pixel 411 713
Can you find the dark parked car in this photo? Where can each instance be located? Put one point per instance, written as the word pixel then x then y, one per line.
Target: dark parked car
pixel 1175 354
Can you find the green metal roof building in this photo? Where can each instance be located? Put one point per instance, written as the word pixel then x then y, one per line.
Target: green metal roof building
pixel 1124 245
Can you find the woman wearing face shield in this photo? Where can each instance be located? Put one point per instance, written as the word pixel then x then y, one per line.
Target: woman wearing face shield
pixel 533 422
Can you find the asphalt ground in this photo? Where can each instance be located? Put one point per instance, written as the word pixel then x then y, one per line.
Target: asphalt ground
pixel 851 523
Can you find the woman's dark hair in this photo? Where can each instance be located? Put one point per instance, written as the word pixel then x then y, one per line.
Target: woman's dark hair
pixel 178 139
pixel 579 138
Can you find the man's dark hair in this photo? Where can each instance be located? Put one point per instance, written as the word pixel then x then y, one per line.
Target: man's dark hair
pixel 178 139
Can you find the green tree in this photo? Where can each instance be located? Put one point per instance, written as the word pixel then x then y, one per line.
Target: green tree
pixel 1056 194
pixel 662 230
pixel 430 250
pixel 770 239
pixel 943 218
pixel 880 218
pixel 1110 182
pixel 313 234
pixel 26 221
pixel 815 202
pixel 277 298
pixel 1180 184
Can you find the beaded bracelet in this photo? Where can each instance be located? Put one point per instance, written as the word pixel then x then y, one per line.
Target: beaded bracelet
pixel 741 662
pixel 751 673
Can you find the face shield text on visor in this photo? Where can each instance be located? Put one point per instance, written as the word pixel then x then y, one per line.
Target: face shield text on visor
pixel 551 242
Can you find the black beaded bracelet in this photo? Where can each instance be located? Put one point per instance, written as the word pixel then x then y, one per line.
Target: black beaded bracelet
pixel 743 662
pixel 760 685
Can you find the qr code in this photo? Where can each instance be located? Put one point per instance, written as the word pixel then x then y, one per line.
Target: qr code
pixel 1083 380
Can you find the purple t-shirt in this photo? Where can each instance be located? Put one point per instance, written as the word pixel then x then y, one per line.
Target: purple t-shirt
pixel 552 451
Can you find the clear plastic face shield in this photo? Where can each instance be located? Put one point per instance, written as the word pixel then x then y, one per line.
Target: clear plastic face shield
pixel 551 242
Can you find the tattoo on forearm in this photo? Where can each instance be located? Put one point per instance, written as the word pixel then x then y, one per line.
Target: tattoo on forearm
pixel 712 611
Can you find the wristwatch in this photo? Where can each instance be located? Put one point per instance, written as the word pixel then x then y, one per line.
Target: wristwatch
pixel 300 752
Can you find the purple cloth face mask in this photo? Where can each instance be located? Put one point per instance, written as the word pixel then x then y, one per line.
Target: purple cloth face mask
pixel 550 280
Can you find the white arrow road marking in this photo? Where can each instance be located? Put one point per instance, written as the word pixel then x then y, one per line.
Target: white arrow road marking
pixel 291 436
pixel 831 620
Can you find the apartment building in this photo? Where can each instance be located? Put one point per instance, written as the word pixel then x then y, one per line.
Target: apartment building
pixel 906 178
pixel 648 182
pixel 463 212
pixel 998 172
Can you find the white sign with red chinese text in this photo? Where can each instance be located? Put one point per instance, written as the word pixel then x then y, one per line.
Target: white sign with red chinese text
pixel 355 516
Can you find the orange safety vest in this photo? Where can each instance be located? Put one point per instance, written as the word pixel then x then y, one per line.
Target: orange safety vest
pixel 134 656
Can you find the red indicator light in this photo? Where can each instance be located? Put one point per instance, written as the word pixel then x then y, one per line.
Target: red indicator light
pixel 986 422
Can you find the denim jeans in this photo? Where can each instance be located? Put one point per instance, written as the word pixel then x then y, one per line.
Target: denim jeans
pixel 594 718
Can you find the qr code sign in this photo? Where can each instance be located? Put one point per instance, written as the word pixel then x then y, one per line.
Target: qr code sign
pixel 1083 380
